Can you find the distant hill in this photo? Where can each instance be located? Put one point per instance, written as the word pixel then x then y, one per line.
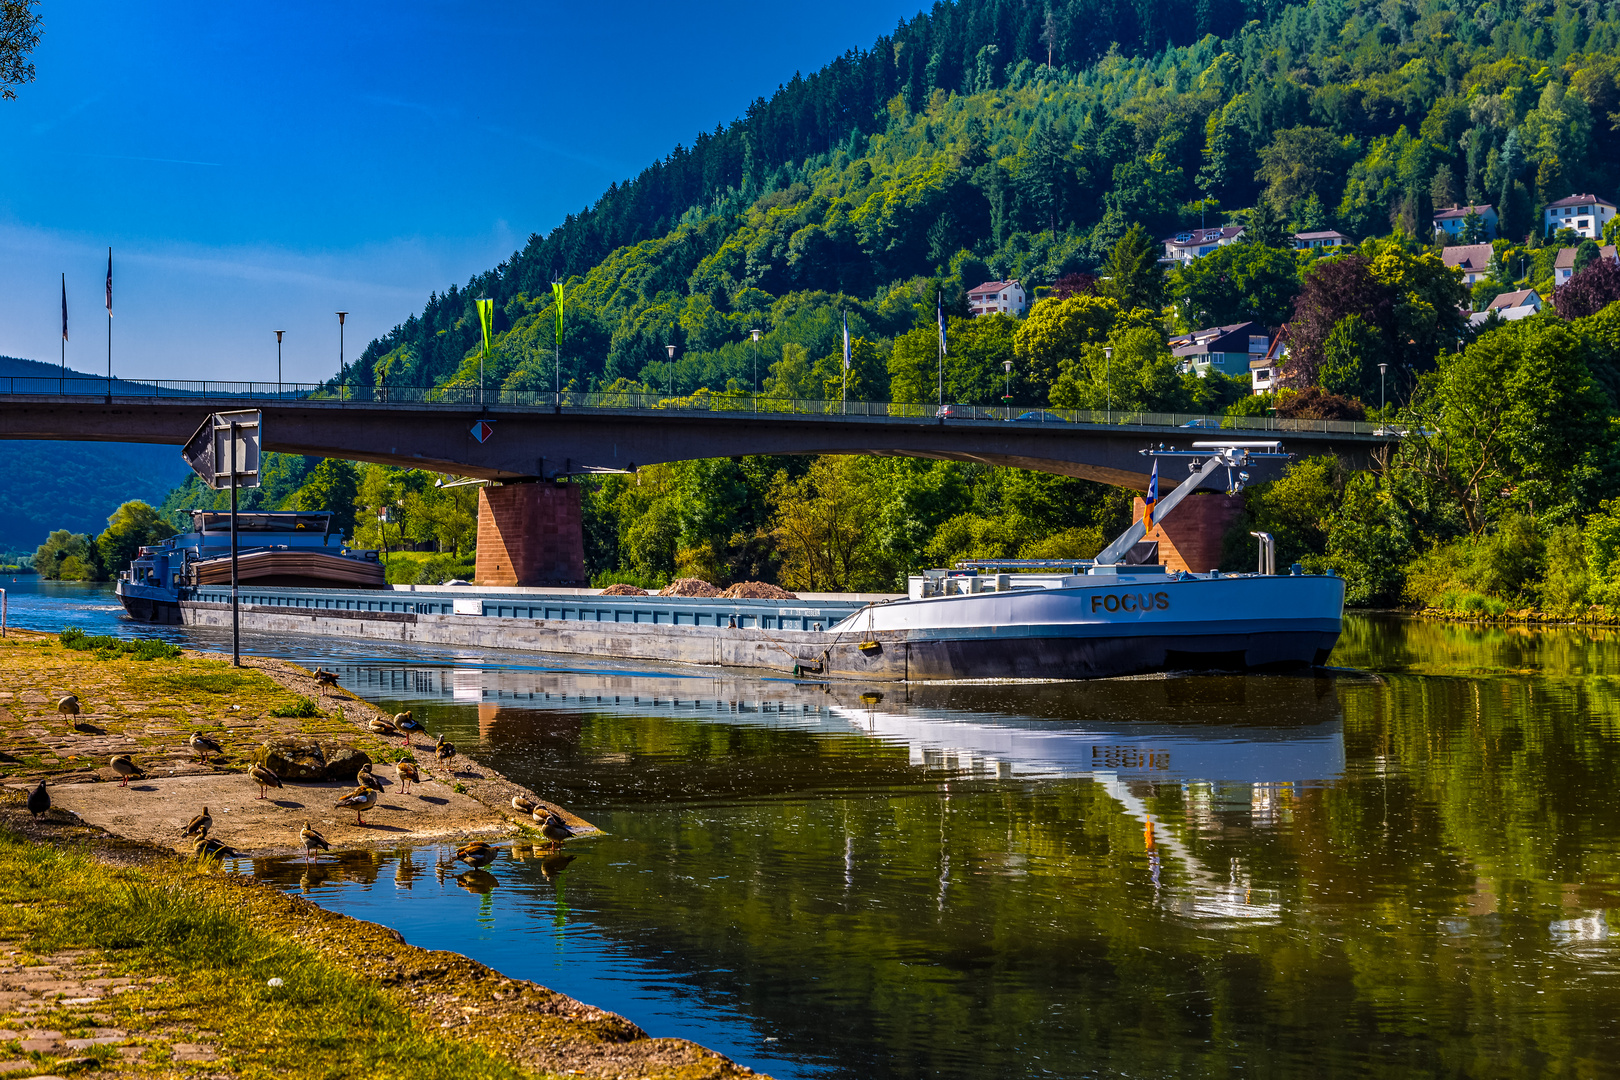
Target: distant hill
pixel 73 485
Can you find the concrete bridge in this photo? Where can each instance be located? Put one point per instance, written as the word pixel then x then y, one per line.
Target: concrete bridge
pixel 552 439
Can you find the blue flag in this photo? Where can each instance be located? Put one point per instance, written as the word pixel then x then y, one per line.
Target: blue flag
pixel 939 303
pixel 846 341
pixel 1152 495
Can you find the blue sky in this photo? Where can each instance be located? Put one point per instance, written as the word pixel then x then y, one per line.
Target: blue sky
pixel 259 167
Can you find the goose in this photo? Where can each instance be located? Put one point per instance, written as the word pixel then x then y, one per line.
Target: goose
pixel 68 706
pixel 406 726
pixel 125 766
pixel 476 854
pixel 325 679
pixel 523 804
pixel 553 828
pixel 312 840
pixel 366 780
pixel 211 849
pixel 199 825
pixel 264 778
pixel 39 800
pixel 203 745
pixel 408 775
pixel 444 751
pixel 382 727
pixel 359 800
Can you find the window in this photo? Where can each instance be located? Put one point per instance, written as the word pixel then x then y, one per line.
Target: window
pixel 1183 238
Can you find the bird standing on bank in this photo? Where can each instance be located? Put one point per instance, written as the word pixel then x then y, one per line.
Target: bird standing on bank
pixel 408 775
pixel 407 726
pixel 312 840
pixel 359 800
pixel 476 854
pixel 264 778
pixel 199 825
pixel 125 766
pixel 326 679
pixel 204 745
pixel 552 827
pixel 39 800
pixel 366 780
pixel 68 706
pixel 444 751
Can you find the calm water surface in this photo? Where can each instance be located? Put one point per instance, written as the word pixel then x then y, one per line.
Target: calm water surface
pixel 1401 869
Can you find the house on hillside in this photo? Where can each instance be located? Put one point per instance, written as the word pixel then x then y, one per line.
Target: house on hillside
pixel 1309 241
pixel 1265 372
pixel 1564 265
pixel 1450 221
pixel 1472 259
pixel 1586 214
pixel 996 297
pixel 1184 247
pixel 1511 306
pixel 1227 349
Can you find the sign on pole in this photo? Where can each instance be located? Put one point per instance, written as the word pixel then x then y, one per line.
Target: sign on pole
pixel 208 451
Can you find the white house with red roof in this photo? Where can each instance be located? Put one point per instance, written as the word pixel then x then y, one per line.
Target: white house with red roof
pixel 1585 214
pixel 1472 259
pixel 996 298
pixel 1564 263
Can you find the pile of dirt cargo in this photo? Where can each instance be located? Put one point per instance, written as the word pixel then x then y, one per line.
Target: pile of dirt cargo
pixel 757 590
pixel 621 589
pixel 691 586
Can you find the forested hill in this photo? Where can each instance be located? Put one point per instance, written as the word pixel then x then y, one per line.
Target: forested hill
pixel 951 149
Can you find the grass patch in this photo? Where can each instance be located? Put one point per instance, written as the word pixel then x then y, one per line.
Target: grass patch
pixel 321 1021
pixel 215 681
pixel 301 708
pixel 106 647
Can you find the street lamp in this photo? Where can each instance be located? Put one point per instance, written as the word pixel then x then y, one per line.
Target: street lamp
pixel 755 335
pixel 1006 365
pixel 1108 379
pixel 671 350
pixel 278 362
pixel 1381 369
pixel 342 370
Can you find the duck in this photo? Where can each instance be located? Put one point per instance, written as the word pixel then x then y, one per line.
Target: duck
pixel 68 706
pixel 553 828
pixel 39 800
pixel 199 825
pixel 408 775
pixel 523 804
pixel 312 840
pixel 203 745
pixel 211 849
pixel 359 800
pixel 382 727
pixel 406 726
pixel 262 776
pixel 366 780
pixel 125 766
pixel 325 679
pixel 476 854
pixel 444 751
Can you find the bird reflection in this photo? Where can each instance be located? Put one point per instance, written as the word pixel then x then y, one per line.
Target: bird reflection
pixel 477 881
pixel 405 870
pixel 554 864
pixel 522 852
pixel 314 876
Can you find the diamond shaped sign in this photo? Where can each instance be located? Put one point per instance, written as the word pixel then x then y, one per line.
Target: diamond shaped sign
pixel 483 430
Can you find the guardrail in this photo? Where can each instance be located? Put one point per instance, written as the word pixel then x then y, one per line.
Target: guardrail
pixel 463 397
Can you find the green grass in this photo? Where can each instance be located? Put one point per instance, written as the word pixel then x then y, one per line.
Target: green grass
pixel 301 708
pixel 426 568
pixel 322 1022
pixel 106 647
pixel 225 681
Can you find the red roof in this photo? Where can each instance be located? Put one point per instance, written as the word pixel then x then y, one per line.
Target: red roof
pixel 1463 211
pixel 1467 256
pixel 1579 200
pixel 992 287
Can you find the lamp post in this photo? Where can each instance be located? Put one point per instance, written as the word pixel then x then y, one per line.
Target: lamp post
pixel 1006 396
pixel 278 363
pixel 671 351
pixel 755 335
pixel 1108 379
pixel 1381 369
pixel 342 370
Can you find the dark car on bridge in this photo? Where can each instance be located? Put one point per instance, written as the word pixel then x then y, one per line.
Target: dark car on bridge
pixel 1038 416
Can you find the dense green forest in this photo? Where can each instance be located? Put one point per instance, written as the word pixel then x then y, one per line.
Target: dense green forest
pixel 1059 146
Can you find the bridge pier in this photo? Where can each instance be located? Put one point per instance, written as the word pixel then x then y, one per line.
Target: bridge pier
pixel 1190 537
pixel 530 534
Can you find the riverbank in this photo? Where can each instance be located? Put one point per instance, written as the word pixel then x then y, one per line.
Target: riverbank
pixel 149 709
pixel 1497 613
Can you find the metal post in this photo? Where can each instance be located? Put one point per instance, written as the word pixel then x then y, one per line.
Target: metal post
pixel 671 350
pixel 1381 369
pixel 755 335
pixel 343 370
pixel 2 613
pixel 1108 379
pixel 236 626
pixel 278 362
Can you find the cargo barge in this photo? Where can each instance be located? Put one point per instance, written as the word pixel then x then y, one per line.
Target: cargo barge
pixel 1096 618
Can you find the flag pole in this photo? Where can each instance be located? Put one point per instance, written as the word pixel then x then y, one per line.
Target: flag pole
pixel 109 325
pixel 61 384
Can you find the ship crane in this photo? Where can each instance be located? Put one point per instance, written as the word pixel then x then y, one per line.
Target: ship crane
pixel 1204 460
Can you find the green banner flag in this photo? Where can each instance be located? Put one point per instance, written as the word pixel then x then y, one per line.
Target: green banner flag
pixel 486 316
pixel 557 292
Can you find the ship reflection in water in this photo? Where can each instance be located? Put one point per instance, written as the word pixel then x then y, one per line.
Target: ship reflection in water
pixel 779 852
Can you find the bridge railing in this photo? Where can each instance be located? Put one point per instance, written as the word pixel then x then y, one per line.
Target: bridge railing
pixel 703 401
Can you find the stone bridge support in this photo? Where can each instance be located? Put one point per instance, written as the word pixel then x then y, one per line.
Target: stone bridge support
pixel 530 534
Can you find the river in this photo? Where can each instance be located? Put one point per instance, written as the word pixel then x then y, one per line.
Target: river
pixel 1400 867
